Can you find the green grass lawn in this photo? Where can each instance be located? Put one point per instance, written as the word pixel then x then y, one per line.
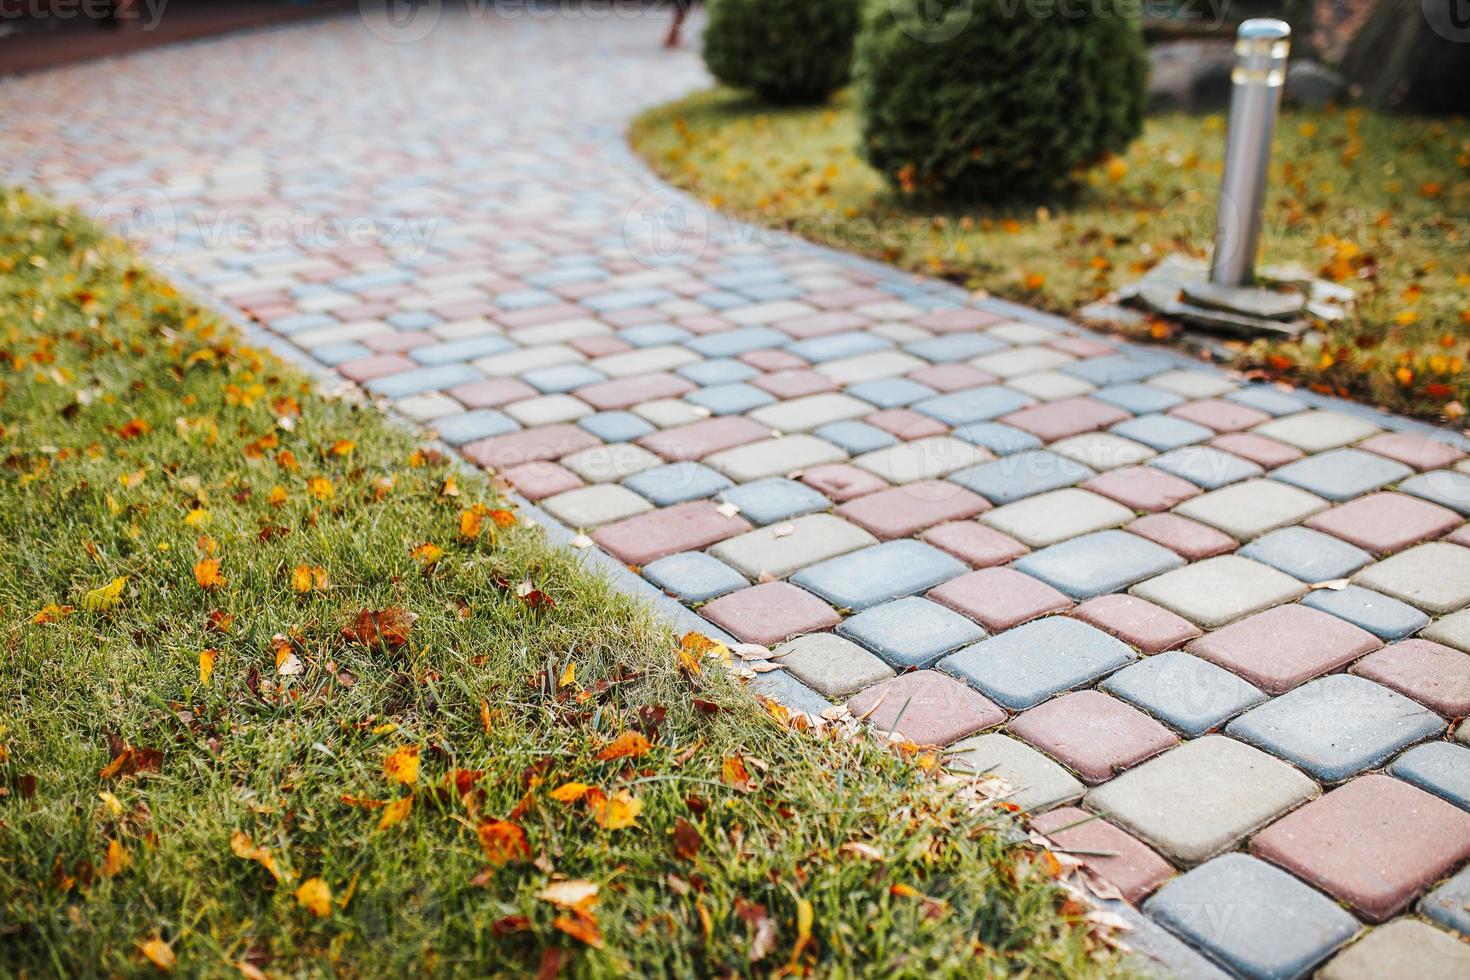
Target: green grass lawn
pixel 283 695
pixel 1380 203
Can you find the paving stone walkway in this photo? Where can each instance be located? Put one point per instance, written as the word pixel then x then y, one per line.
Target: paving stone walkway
pixel 1234 620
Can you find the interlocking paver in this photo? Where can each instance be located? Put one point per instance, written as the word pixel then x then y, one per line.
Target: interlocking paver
pixel 1139 399
pixel 1163 433
pixel 610 463
pixel 1192 695
pixel 1056 516
pixel 1235 908
pixel 1036 782
pixel 877 574
pixel 699 439
pixel 1143 488
pixel 1141 624
pixel 1282 647
pixel 1050 386
pixel 1220 415
pixel 926 707
pixel 1000 598
pixel 1068 417
pixel 1199 799
pixel 831 665
pixel 774 457
pixel 1374 843
pixel 469 426
pixel 1187 538
pixel 1452 631
pixel 513 449
pixel 540 478
pixel 1433 674
pixel 1102 450
pixel 782 549
pixel 1337 726
pixel 1434 577
pixel 1026 665
pixel 1317 430
pixel 1305 554
pixel 813 411
pixel 1439 768
pixel 694 576
pixel 1092 734
pixel 1251 508
pixel 1342 474
pixel 1132 867
pixel 1022 475
pixel 732 399
pixel 682 527
pixel 900 512
pixel 910 632
pixel 675 483
pixel 1449 904
pixel 1386 618
pixel 974 543
pixel 841 482
pixel 972 404
pixel 1414 450
pixel 776 499
pixel 921 459
pixel 1207 467
pixel 770 612
pixel 1405 948
pixel 1258 449
pixel 595 505
pixel 1215 591
pixel 1098 563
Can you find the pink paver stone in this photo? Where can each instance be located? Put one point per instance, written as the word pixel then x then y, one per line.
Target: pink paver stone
pixel 1413 450
pixel 1082 347
pixel 1189 538
pixel 698 439
pixel 542 479
pixel 1385 522
pixel 515 319
pixel 1092 734
pixel 999 598
pixel 1435 675
pixel 794 384
pixel 379 366
pixel 841 299
pixel 928 707
pixel 1128 864
pixel 953 321
pixel 608 395
pixel 905 423
pixel 1462 536
pixel 1280 648
pixel 1258 449
pixel 1065 417
pixel 1220 415
pixel 600 345
pixel 389 343
pixel 899 512
pixel 821 324
pixel 951 377
pixel 975 544
pixel 515 448
pixel 1151 628
pixel 1143 488
pixel 684 527
pixel 770 612
pixel 773 360
pixel 841 481
pixel 1375 843
pixel 491 393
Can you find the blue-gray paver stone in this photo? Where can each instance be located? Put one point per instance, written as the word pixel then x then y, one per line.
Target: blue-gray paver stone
pixel 1205 466
pixel 1191 695
pixel 1256 919
pixel 677 482
pixel 837 345
pixel 469 426
pixel 424 379
pixel 973 405
pixel 775 499
pixel 1098 563
pixel 1306 554
pixel 455 351
pixel 890 392
pixel 653 334
pixel 910 632
pixel 414 319
pixel 1439 768
pixel 999 438
pixel 305 321
pixel 1162 432
pixel 879 573
pixel 616 426
pixel 334 354
pixel 781 686
pixel 730 399
pixel 1026 665
pixel 1022 475
pixel 694 576
pixel 561 378
pixel 1342 474
pixel 1448 488
pixel 721 370
pixel 1114 369
pixel 1267 399
pixel 1449 904
pixel 1137 398
pixel 733 343
pixel 1336 726
pixel 855 437
pixel 830 665
pixel 954 347
pixel 1383 616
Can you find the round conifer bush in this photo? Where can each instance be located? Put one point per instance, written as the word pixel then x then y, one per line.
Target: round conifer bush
pixel 786 51
pixel 995 99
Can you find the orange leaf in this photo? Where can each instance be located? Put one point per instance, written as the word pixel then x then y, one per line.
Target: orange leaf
pixel 315 896
pixel 617 811
pixel 395 813
pixel 503 841
pixel 207 574
pixel 321 488
pixel 117 859
pixel 628 745
pixel 569 792
pixel 243 847
pixel 402 765
pixel 159 953
pixel 734 773
pixel 388 627
pixel 583 927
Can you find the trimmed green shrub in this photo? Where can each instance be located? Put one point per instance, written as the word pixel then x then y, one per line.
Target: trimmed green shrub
pixel 787 51
pixel 989 102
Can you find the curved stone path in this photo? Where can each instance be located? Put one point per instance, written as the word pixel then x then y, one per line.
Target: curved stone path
pixel 1232 619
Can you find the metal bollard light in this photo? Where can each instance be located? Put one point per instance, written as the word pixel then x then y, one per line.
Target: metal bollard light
pixel 1261 47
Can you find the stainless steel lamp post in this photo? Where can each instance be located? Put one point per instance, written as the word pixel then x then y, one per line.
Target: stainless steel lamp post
pixel 1261 47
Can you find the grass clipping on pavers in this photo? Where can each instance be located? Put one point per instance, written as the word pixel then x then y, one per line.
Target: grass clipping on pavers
pixel 284 694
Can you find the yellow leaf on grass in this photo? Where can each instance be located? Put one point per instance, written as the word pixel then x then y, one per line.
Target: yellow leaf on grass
pixel 198 517
pixel 343 447
pixel 206 665
pixel 617 811
pixel 395 813
pixel 304 578
pixel 52 613
pixel 113 804
pixel 207 573
pixel 159 953
pixel 243 847
pixel 568 676
pixel 117 859
pixel 321 488
pixel 277 496
pixel 402 765
pixel 105 598
pixel 569 792
pixel 315 896
pixel 427 554
pixel 628 745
